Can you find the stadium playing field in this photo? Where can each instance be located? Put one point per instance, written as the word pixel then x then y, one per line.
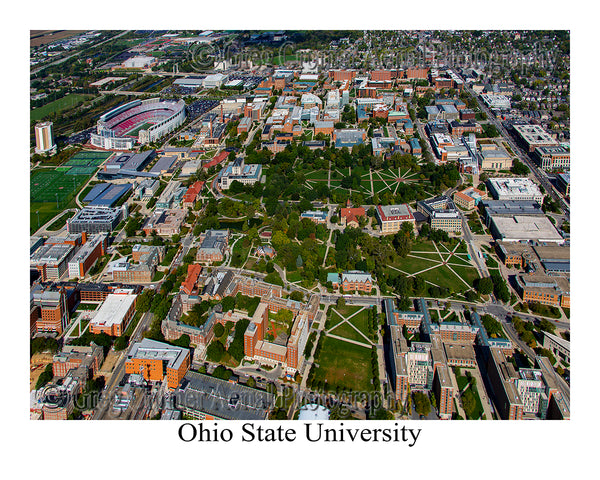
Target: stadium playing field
pixel 135 131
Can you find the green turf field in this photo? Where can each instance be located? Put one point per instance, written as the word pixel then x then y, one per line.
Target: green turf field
pixel 68 101
pixel 46 184
pixel 88 171
pixel 135 131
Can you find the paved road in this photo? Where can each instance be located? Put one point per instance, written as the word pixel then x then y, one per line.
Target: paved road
pixel 43 230
pixel 102 410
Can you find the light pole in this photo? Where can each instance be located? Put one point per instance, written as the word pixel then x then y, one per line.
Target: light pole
pixel 38 217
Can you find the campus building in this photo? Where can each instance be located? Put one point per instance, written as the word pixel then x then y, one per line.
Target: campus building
pixel 203 397
pixel 287 351
pixel 492 157
pixel 552 158
pixel 50 310
pixel 114 315
pixel 533 136
pixel 238 171
pixel 391 217
pixel 349 217
pixel 544 289
pixel 560 348
pixel 165 222
pixel 469 198
pixel 146 258
pixel 44 141
pixel 96 219
pixel 352 281
pixel 51 260
pixel 213 244
pixel 192 194
pixel 147 188
pixel 73 357
pixel 524 228
pixel 93 248
pixel 171 196
pixel 515 189
pixel 563 183
pixel 441 214
pixel 315 216
pixel 502 375
pixel 156 360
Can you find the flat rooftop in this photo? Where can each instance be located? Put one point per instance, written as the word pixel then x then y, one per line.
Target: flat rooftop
pixel 153 350
pixel 526 228
pixel 223 399
pixel 113 309
pixel 458 352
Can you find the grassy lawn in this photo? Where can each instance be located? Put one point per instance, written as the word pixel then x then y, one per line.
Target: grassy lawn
pixel 414 265
pixel 58 224
pixel 461 260
pixel 317 174
pixel 294 276
pixel 348 310
pixel 423 246
pixel 68 101
pixel 468 274
pixel 344 364
pixel 443 277
pixel 346 331
pixel 360 321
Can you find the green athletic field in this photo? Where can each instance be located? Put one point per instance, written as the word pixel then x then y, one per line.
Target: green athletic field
pixel 135 131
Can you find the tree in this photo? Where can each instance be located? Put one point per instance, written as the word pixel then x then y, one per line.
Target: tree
pixel 183 341
pixel 228 303
pixel 45 377
pixel 547 326
pixel 215 351
pixel 121 343
pixel 485 285
pixel 422 405
pixel 469 403
pixel 144 301
pixel 340 303
pixel 218 330
pixel 296 295
pixel 251 382
pixel 519 168
pixel 222 373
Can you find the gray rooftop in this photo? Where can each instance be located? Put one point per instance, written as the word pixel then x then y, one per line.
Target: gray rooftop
pixel 222 399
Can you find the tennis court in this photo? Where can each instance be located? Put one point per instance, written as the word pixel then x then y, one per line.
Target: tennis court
pixel 88 171
pixel 87 159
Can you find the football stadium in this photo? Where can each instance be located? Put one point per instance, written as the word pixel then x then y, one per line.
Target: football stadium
pixel 141 121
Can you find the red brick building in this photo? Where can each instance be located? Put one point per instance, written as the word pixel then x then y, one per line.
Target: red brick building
pixel 341 75
pixel 190 197
pixel 349 216
pixel 155 360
